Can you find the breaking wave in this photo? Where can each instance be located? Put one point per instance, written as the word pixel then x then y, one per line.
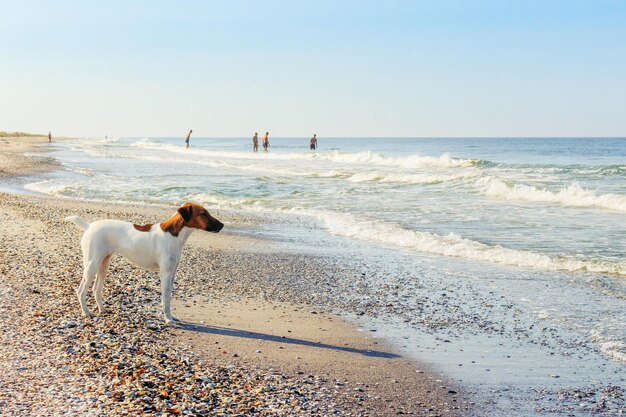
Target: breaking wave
pixel 573 195
pixel 456 246
pixel 359 158
pixel 394 235
pixel 51 187
pixel 388 177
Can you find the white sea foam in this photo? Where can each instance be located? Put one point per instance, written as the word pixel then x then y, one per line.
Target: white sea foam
pixel 50 187
pixel 573 195
pixel 261 166
pixel 390 177
pixel 455 246
pixel 360 158
pixel 83 171
pixel 390 234
pixel 73 191
pixel 609 345
pixel 410 161
pixel 223 202
pixel 365 176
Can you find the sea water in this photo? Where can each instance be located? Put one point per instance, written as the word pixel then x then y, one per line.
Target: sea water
pixel 535 228
pixel 555 204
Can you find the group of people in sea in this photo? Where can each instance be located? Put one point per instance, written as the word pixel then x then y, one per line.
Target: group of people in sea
pixel 266 141
pixel 255 141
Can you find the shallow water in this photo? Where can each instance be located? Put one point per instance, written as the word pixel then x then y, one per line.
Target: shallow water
pixel 556 204
pixel 512 250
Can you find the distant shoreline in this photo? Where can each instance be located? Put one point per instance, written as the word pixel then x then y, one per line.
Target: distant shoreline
pixel 4 134
pixel 13 162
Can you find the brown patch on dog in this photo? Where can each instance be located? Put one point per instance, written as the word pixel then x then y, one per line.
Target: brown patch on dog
pixel 173 225
pixel 144 228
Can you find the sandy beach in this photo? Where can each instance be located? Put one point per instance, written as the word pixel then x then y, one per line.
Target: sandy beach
pixel 14 163
pixel 251 340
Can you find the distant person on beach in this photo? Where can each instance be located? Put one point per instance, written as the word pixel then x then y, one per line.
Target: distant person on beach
pixel 255 142
pixel 49 137
pixel 266 141
pixel 187 139
pixel 313 142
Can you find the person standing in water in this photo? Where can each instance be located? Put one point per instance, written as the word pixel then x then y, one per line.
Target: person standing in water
pixel 187 139
pixel 313 142
pixel 255 142
pixel 49 137
pixel 266 141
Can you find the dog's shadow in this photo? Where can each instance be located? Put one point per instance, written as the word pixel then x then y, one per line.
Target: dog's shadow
pixel 226 331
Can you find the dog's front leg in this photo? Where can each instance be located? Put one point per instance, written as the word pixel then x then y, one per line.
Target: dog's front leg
pixel 167 282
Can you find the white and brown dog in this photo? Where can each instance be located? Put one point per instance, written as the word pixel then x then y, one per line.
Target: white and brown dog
pixel 155 248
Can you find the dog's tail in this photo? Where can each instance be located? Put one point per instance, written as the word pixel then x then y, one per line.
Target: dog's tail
pixel 79 221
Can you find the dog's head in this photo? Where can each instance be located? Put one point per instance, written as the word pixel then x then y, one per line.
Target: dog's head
pixel 196 216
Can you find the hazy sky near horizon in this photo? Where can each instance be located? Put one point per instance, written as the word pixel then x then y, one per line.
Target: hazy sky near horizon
pixel 294 68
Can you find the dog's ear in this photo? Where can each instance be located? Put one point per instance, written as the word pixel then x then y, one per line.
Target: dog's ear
pixel 185 212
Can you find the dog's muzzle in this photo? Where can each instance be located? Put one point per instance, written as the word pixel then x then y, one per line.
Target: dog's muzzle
pixel 215 227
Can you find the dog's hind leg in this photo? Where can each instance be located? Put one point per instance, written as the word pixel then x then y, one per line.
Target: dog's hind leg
pixel 90 269
pixel 99 282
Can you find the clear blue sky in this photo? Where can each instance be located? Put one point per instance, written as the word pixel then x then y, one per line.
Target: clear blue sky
pixel 338 68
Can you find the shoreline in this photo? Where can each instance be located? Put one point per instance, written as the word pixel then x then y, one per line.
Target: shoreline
pixel 505 354
pixel 341 371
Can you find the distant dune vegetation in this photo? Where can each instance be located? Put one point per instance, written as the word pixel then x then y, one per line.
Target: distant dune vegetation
pixel 19 134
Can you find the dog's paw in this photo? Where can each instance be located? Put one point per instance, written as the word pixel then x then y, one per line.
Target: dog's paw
pixel 88 315
pixel 103 310
pixel 170 321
